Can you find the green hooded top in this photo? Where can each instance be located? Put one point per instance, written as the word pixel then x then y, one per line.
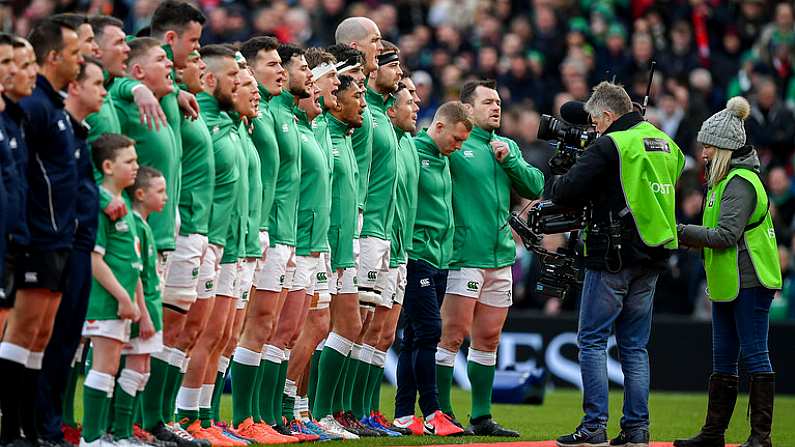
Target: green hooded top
pixel 482 200
pixel 314 209
pixel 362 141
pixel 433 227
pixel 408 167
pixel 227 171
pixel 282 226
pixel 157 149
pixel 379 205
pixel 254 200
pixel 238 227
pixel 264 139
pixel 198 177
pixel 344 214
pixel 104 121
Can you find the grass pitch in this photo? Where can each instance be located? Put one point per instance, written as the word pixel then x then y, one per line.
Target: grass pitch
pixel 673 415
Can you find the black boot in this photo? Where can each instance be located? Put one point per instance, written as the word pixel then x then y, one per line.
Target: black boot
pixel 763 390
pixel 722 397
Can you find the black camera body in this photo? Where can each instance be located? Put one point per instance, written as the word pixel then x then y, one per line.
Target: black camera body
pixel 560 272
pixel 569 140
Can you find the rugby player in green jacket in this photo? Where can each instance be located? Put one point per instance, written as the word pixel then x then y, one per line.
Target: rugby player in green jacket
pixel 316 326
pixel 248 362
pixel 221 82
pixel 392 285
pixel 342 283
pixel 480 282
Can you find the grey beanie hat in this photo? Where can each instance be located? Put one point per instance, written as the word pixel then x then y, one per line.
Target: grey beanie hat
pixel 725 129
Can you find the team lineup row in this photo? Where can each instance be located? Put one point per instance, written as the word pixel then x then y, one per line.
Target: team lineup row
pixel 260 210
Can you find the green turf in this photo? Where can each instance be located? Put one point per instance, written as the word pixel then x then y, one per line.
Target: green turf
pixel 673 415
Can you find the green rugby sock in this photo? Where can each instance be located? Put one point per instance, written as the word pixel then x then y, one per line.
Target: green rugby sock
pixel 312 386
pixel 244 370
pixel 270 376
pixel 97 389
pixel 152 396
pixel 480 369
pixel 330 371
pixel 278 391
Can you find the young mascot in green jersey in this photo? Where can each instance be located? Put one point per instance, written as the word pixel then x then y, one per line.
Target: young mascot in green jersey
pixel 480 283
pixel 116 266
pixel 216 282
pixel 148 194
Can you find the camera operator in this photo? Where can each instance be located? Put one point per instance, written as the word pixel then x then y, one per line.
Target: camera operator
pixel 628 175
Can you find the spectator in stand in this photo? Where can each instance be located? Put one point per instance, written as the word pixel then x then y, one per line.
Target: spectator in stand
pixel 681 58
pixel 770 125
pixel 782 30
pixel 782 198
pixel 674 123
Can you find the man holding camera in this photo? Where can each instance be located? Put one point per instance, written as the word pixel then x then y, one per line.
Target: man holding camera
pixel 628 176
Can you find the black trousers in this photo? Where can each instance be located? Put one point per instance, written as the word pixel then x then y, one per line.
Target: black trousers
pixel 63 345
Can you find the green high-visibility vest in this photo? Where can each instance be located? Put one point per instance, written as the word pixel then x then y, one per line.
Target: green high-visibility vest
pixel 650 166
pixel 723 272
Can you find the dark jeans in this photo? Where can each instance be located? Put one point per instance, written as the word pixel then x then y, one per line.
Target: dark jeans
pixel 739 330
pixel 61 350
pixel 622 302
pixel 416 370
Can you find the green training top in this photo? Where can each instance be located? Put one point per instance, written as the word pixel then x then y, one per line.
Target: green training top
pixel 282 226
pixel 264 138
pixel 120 247
pixel 362 141
pixel 344 214
pixel 100 123
pixel 149 278
pixel 235 247
pixel 408 167
pixel 227 171
pixel 433 227
pixel 252 248
pixel 198 177
pixel 379 205
pixel 482 200
pixel 158 149
pixel 315 206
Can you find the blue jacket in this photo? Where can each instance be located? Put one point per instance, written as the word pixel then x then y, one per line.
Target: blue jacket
pixel 5 165
pixel 51 170
pixel 15 122
pixel 88 193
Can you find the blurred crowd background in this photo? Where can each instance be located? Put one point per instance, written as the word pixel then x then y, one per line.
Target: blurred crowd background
pixel 546 52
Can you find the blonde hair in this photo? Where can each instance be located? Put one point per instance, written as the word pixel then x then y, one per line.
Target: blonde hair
pixel 719 166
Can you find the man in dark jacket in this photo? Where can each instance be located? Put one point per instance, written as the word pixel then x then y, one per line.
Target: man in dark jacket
pixel 85 96
pixel 628 176
pixel 40 265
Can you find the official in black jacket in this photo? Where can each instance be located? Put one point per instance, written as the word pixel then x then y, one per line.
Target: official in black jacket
pixel 633 218
pixel 40 266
